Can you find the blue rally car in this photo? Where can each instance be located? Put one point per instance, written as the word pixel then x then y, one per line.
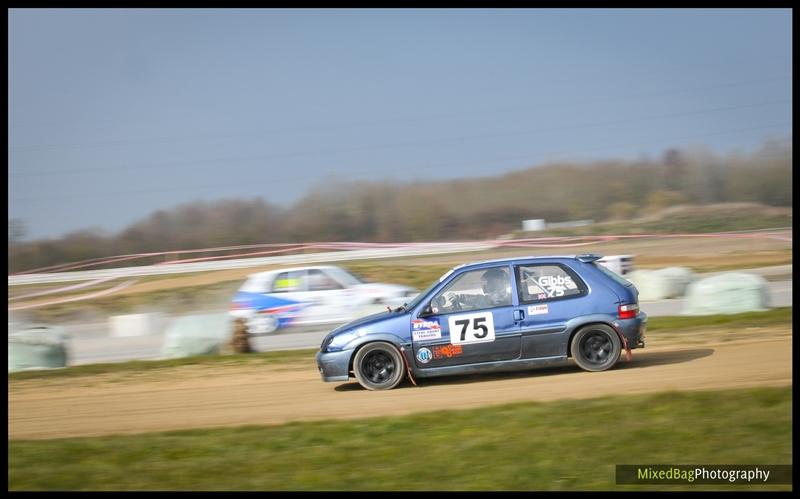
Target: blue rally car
pixel 495 315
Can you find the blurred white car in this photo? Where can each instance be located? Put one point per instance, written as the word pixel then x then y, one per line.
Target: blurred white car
pixel 310 295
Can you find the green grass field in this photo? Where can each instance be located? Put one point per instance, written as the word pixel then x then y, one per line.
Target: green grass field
pixel 772 317
pixel 565 445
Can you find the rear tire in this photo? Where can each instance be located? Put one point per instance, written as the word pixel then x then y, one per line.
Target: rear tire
pixel 596 347
pixel 379 366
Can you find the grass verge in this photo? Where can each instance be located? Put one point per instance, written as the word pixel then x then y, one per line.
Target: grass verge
pixel 137 366
pixel 565 445
pixel 772 317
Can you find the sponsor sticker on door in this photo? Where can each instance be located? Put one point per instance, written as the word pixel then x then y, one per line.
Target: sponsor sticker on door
pixel 424 355
pixel 449 351
pixel 425 330
pixel 537 309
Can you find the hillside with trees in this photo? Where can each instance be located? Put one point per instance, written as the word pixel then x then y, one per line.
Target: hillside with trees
pixel 474 208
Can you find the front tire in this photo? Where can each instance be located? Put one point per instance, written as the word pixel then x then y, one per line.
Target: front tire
pixel 596 347
pixel 379 366
pixel 262 324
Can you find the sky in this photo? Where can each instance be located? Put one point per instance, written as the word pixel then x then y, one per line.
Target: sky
pixel 116 113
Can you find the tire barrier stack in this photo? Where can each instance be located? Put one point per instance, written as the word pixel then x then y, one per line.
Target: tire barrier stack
pixel 670 282
pixel 200 334
pixel 36 347
pixel 728 293
pixel 129 325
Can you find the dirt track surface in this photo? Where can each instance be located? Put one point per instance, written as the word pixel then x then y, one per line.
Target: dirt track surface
pixel 198 397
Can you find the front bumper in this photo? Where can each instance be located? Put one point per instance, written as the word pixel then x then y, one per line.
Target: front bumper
pixel 633 330
pixel 334 366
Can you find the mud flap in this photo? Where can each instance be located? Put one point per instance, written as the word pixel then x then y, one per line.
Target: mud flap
pixel 628 354
pixel 407 366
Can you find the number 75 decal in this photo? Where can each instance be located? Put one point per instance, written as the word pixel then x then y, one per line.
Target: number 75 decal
pixel 471 328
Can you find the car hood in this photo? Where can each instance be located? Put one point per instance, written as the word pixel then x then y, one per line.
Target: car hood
pixel 364 321
pixel 383 322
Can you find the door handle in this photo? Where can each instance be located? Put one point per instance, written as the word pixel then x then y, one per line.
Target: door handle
pixel 518 315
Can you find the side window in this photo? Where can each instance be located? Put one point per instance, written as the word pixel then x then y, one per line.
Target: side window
pixel 546 282
pixel 474 290
pixel 321 281
pixel 287 282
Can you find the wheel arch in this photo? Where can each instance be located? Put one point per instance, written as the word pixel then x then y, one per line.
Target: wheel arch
pixel 392 339
pixel 577 324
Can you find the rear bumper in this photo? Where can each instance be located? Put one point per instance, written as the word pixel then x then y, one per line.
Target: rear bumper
pixel 633 330
pixel 334 366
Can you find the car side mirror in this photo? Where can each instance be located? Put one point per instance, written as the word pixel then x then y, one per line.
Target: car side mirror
pixel 426 312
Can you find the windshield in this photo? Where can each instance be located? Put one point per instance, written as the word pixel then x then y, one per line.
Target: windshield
pixel 255 284
pixel 417 299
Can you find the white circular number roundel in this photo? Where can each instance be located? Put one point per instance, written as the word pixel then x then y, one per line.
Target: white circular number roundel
pixel 471 328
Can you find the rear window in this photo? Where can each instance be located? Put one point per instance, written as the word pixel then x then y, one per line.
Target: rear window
pixel 613 275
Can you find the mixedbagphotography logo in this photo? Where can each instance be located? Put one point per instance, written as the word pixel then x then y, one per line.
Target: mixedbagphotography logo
pixel 673 474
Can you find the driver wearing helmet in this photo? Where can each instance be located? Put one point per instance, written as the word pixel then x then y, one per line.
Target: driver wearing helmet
pixel 496 292
pixel 496 287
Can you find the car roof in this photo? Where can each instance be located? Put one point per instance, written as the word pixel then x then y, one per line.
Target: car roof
pixel 524 258
pixel 463 265
pixel 289 269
